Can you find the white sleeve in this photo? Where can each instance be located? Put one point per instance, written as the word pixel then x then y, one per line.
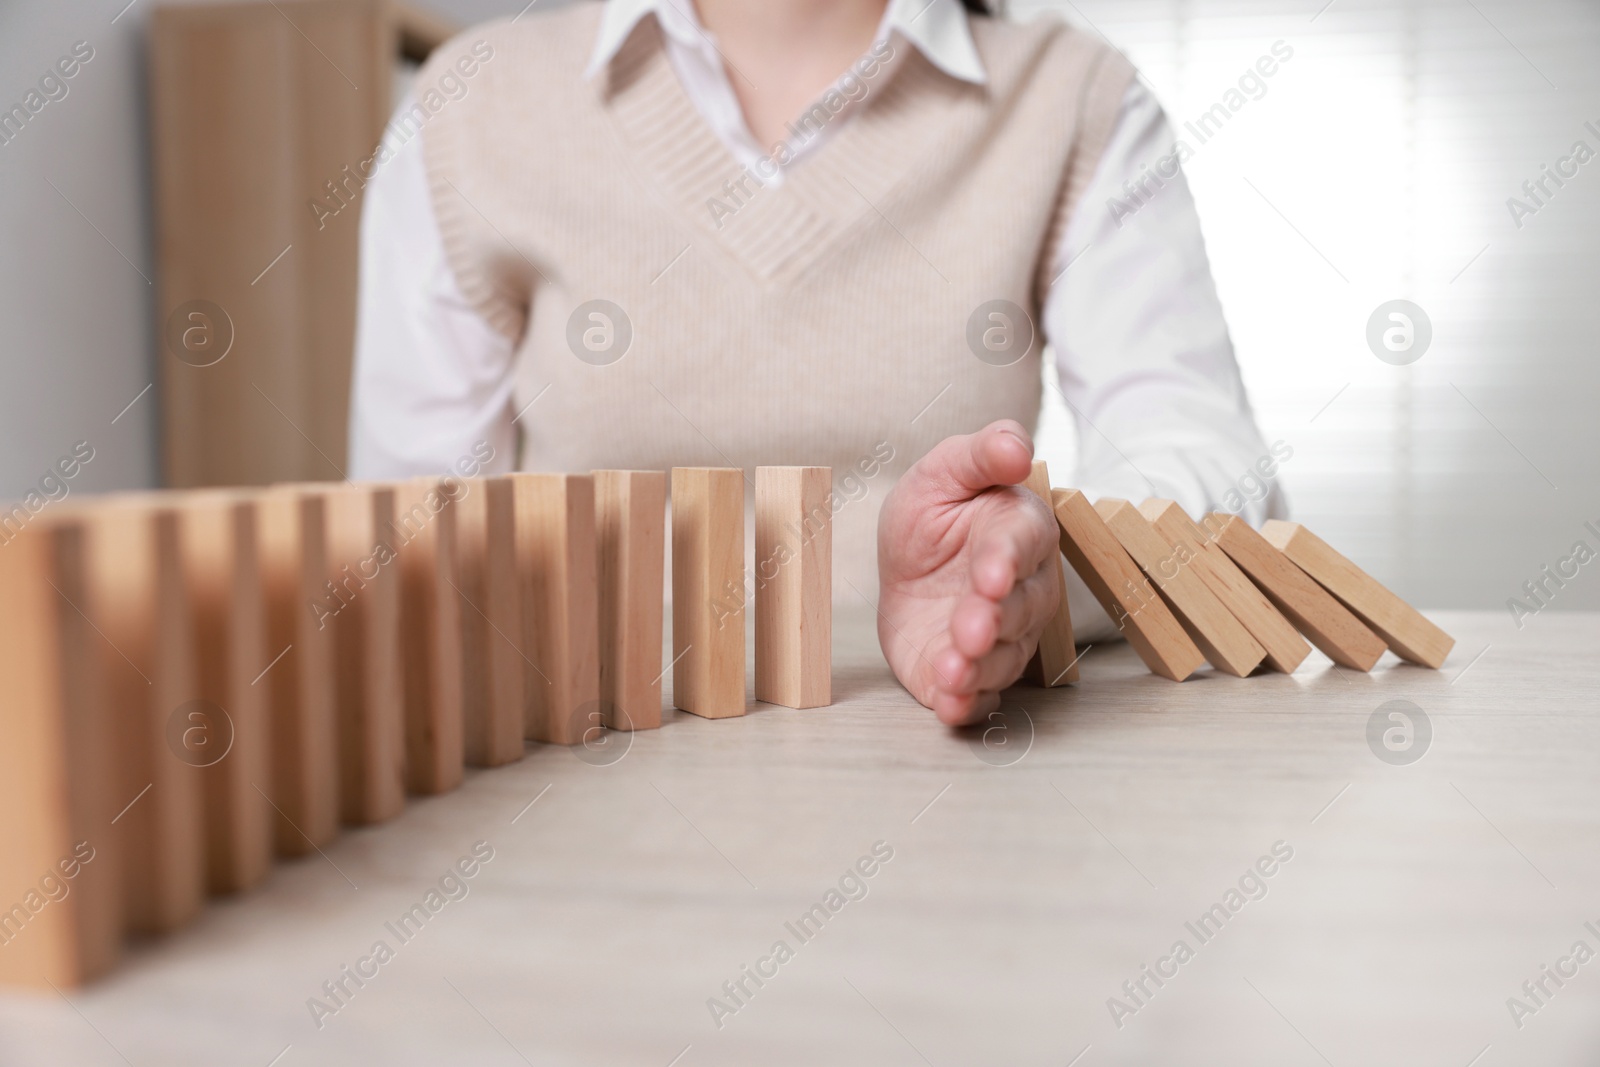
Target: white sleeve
pixel 1142 349
pixel 432 379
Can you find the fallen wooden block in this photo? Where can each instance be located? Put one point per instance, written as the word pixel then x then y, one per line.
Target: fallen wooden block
pixel 708 593
pixel 1402 627
pixel 1056 660
pixel 299 683
pixel 794 586
pixel 1221 636
pixel 1115 579
pixel 1284 647
pixel 59 881
pixel 147 670
pixel 560 634
pixel 630 548
pixel 224 725
pixel 424 536
pixel 361 605
pixel 1341 636
pixel 491 623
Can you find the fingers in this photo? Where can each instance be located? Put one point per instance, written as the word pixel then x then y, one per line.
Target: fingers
pixel 999 454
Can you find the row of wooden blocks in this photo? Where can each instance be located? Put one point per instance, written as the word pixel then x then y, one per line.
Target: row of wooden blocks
pixel 198 681
pixel 1185 592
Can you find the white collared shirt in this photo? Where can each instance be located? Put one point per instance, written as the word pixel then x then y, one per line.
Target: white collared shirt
pixel 1142 351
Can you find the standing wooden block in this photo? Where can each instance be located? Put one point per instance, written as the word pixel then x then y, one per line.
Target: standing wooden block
pixel 1220 635
pixel 147 667
pixel 299 683
pixel 1114 578
pixel 424 536
pixel 1285 648
pixel 708 593
pixel 361 605
pixel 58 861
pixel 794 586
pixel 1341 636
pixel 560 633
pixel 224 731
pixel 491 622
pixel 1401 626
pixel 1056 660
pixel 630 516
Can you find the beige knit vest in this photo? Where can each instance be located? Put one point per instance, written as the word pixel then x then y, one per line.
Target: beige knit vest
pixel 833 320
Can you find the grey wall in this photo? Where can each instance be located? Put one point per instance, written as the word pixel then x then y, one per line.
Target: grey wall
pixel 1377 167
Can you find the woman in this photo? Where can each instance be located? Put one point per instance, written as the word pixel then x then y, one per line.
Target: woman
pixel 646 233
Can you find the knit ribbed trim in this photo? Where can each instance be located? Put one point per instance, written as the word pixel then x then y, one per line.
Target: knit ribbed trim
pixel 778 230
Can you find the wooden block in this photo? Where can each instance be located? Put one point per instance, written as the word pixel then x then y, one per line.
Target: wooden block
pixel 1056 660
pixel 708 593
pixel 491 622
pixel 1401 626
pixel 1115 579
pixel 147 668
pixel 299 684
pixel 630 517
pixel 225 735
pixel 560 633
pixel 60 900
pixel 794 586
pixel 1341 636
pixel 1221 636
pixel 424 536
pixel 1285 648
pixel 361 605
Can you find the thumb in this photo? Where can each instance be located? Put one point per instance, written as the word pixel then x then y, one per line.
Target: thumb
pixel 960 467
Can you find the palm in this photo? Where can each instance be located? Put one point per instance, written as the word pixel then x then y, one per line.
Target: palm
pixel 963 592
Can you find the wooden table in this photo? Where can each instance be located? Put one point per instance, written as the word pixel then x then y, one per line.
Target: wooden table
pixel 1028 881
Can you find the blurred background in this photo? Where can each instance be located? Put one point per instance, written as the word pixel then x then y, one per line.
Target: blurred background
pixel 1378 165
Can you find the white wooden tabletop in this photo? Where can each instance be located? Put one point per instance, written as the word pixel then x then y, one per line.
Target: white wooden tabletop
pixel 1034 870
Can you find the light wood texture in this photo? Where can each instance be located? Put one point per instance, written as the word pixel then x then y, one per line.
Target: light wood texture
pixel 260 112
pixel 1285 648
pixel 226 735
pixel 491 622
pixel 794 586
pixel 1397 930
pixel 299 682
pixel 1406 631
pixel 560 634
pixel 362 608
pixel 147 669
pixel 708 591
pixel 630 518
pixel 1341 636
pixel 1056 660
pixel 1116 581
pixel 1220 635
pixel 424 536
pixel 58 792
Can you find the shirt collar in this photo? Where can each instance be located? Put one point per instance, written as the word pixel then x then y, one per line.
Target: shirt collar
pixel 937 28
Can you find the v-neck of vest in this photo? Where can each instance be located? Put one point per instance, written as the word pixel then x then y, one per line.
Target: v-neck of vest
pixel 775 231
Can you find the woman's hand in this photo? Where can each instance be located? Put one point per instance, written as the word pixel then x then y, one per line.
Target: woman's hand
pixel 963 588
